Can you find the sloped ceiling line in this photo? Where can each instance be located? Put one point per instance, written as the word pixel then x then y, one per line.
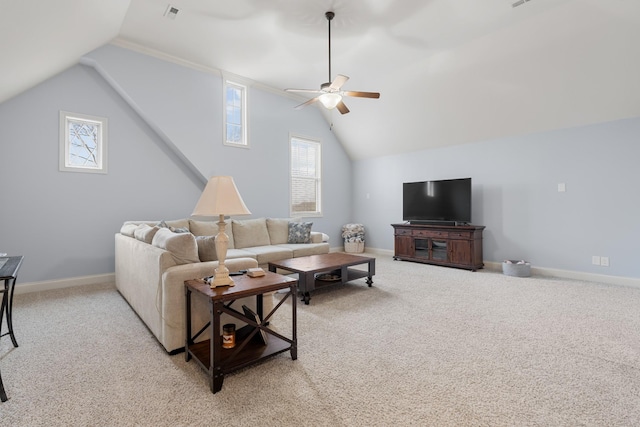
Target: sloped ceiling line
pixel 179 156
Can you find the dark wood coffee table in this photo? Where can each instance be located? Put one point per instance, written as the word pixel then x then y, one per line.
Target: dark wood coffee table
pixel 309 266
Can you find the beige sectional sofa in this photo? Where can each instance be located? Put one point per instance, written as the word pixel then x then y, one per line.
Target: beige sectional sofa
pixel 154 258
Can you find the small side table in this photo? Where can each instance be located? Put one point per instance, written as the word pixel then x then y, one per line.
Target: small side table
pixel 9 267
pixel 249 349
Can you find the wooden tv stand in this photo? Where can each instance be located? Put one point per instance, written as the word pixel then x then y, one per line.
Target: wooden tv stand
pixel 447 245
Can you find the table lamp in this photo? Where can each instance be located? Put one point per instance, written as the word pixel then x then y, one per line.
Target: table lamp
pixel 220 197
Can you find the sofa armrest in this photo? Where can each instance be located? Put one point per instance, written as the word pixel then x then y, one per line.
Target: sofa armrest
pixel 318 237
pixel 172 304
pixel 179 273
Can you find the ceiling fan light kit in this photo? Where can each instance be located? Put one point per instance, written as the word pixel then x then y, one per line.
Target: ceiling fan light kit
pixel 330 100
pixel 330 94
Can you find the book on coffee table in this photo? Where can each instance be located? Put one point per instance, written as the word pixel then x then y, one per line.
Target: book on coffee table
pixel 250 314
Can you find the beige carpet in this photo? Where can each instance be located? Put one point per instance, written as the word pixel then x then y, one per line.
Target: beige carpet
pixel 425 346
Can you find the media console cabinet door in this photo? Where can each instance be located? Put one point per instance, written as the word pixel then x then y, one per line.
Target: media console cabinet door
pixel 460 252
pixel 404 246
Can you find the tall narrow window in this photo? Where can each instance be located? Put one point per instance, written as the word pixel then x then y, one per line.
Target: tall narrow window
pixel 235 114
pixel 83 143
pixel 306 177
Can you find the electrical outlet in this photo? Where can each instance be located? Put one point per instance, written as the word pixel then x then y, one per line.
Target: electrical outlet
pixel 595 260
pixel 604 261
pixel 562 187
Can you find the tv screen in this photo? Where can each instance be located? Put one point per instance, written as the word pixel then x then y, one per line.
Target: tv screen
pixel 437 201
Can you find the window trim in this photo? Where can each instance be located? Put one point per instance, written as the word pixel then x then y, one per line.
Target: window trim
pixel 235 82
pixel 64 141
pixel 319 166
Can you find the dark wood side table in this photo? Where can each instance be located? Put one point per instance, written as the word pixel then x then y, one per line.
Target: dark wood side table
pixel 9 267
pixel 249 348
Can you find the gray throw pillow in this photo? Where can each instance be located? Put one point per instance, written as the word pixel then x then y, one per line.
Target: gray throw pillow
pixel 210 228
pixel 163 224
pixel 207 248
pixel 300 232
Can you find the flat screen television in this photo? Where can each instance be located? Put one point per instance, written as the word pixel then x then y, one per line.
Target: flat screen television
pixel 440 201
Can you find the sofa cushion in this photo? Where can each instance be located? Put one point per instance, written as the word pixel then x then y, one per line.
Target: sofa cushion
pixel 278 229
pixel 308 249
pixel 239 253
pixel 265 254
pixel 206 248
pixel 182 246
pixel 210 228
pixel 299 232
pixel 250 232
pixel 145 233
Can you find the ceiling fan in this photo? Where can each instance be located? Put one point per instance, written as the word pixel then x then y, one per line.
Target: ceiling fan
pixel 330 94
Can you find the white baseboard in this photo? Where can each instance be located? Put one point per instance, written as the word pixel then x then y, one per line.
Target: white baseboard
pixel 576 275
pixel 47 285
pixel 374 251
pixel 366 250
pixel 549 272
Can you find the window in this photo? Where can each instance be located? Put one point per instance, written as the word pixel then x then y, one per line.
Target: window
pixel 83 143
pixel 306 167
pixel 235 114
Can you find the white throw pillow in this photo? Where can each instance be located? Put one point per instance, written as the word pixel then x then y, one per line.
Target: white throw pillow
pixel 128 229
pixel 145 233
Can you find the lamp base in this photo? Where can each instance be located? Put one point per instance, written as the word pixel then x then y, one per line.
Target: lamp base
pixel 221 280
pixel 221 274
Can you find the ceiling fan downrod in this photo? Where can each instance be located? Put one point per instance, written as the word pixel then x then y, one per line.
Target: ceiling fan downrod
pixel 329 16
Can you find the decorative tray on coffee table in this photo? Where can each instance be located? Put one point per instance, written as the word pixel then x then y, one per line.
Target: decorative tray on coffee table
pixel 328 277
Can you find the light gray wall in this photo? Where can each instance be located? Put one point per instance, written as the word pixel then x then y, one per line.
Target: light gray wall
pixel 515 195
pixel 64 222
pixel 186 105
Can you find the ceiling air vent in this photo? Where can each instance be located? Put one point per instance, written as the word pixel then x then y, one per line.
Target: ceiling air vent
pixel 171 12
pixel 520 3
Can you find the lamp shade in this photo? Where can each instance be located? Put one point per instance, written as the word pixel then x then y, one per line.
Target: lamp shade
pixel 220 197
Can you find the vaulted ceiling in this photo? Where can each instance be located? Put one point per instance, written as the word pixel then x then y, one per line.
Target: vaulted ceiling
pixel 449 71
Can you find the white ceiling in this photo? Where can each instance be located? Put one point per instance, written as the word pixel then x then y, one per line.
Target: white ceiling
pixel 449 71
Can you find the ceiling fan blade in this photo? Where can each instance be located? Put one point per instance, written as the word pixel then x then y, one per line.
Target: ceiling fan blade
pixel 304 104
pixel 342 108
pixel 362 94
pixel 304 90
pixel 337 83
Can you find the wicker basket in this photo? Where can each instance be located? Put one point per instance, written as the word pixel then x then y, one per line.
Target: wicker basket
pixel 354 247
